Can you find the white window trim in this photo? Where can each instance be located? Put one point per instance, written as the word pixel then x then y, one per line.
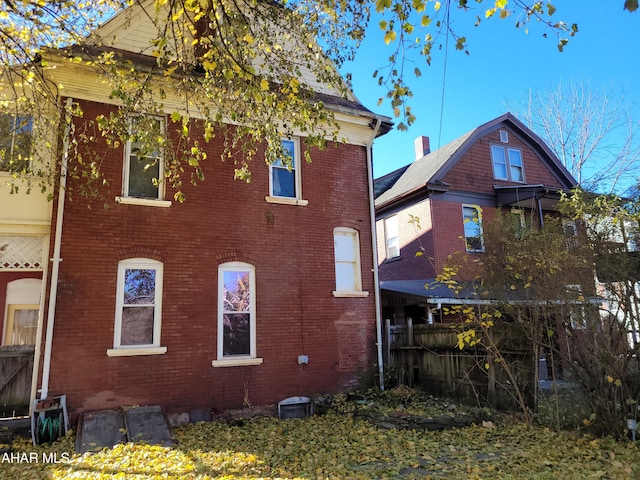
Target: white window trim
pixel 236 360
pixel 130 350
pixel 478 209
pixel 387 237
pixel 126 198
pixel 149 202
pixel 350 294
pixel 521 216
pixel 507 159
pixel 358 292
pixel 297 200
pixel 135 351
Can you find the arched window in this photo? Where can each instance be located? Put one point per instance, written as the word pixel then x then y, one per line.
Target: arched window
pixel 138 308
pixel 236 315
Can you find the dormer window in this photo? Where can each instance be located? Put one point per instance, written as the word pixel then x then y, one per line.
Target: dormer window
pixel 507 163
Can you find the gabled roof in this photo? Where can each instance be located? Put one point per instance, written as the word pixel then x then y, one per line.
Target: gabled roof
pixel 427 173
pixel 131 33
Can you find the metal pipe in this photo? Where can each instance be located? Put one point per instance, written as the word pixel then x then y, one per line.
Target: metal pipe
pixel 53 290
pixel 374 245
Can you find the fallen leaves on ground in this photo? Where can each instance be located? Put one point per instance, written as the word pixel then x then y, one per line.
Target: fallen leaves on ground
pixel 337 446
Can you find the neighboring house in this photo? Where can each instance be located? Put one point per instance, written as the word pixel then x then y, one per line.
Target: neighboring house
pixel 247 293
pixel 437 206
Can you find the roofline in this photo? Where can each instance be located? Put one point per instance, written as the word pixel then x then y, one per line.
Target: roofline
pixel 333 103
pixel 528 136
pixel 563 175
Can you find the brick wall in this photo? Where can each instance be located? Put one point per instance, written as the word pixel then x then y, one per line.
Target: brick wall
pixel 408 266
pixel 474 171
pixel 222 220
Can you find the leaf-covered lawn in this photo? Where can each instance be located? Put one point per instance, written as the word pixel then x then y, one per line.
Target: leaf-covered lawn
pixel 338 446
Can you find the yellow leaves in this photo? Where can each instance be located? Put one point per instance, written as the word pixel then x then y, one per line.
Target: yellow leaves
pixel 339 446
pixel 389 37
pixel 617 382
pixel 382 5
pixel 467 338
pixel 209 65
pixel 264 85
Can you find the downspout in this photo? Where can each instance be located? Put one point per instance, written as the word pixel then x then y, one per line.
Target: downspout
pixel 374 245
pixel 53 292
pixel 38 350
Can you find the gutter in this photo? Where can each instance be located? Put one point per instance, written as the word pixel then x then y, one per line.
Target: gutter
pixel 53 292
pixel 374 246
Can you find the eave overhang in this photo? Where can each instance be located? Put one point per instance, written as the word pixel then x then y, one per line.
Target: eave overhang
pixel 422 191
pixel 149 63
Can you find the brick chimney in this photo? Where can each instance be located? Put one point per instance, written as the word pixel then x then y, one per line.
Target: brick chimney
pixel 421 145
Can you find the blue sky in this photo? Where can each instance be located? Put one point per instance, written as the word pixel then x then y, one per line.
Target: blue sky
pixel 503 64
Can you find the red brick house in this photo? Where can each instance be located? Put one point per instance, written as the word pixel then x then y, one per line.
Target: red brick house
pixel 245 294
pixel 452 192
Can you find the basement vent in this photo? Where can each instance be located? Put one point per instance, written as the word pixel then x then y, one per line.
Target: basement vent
pixel 295 407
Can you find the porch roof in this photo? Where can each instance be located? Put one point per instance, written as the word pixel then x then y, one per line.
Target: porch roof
pixel 526 196
pixel 436 293
pixel 433 291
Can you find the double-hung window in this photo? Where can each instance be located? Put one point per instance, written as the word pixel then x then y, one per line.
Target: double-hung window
pixel 347 263
pixel 285 184
pixel 16 133
pixel 138 308
pixel 392 239
pixel 236 315
pixel 472 219
pixel 507 163
pixel 144 159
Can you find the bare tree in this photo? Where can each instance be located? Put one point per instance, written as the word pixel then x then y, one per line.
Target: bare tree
pixel 592 132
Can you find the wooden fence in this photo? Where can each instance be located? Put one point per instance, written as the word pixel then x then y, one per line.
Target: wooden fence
pixel 428 355
pixel 16 366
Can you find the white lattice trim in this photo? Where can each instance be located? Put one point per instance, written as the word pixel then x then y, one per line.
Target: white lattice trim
pixel 22 253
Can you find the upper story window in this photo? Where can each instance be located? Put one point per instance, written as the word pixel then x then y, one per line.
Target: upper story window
pixel 472 219
pixel 16 134
pixel 236 315
pixel 346 244
pixel 138 308
pixel 285 172
pixel 507 163
pixel 144 159
pixel 392 239
pixel 285 184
